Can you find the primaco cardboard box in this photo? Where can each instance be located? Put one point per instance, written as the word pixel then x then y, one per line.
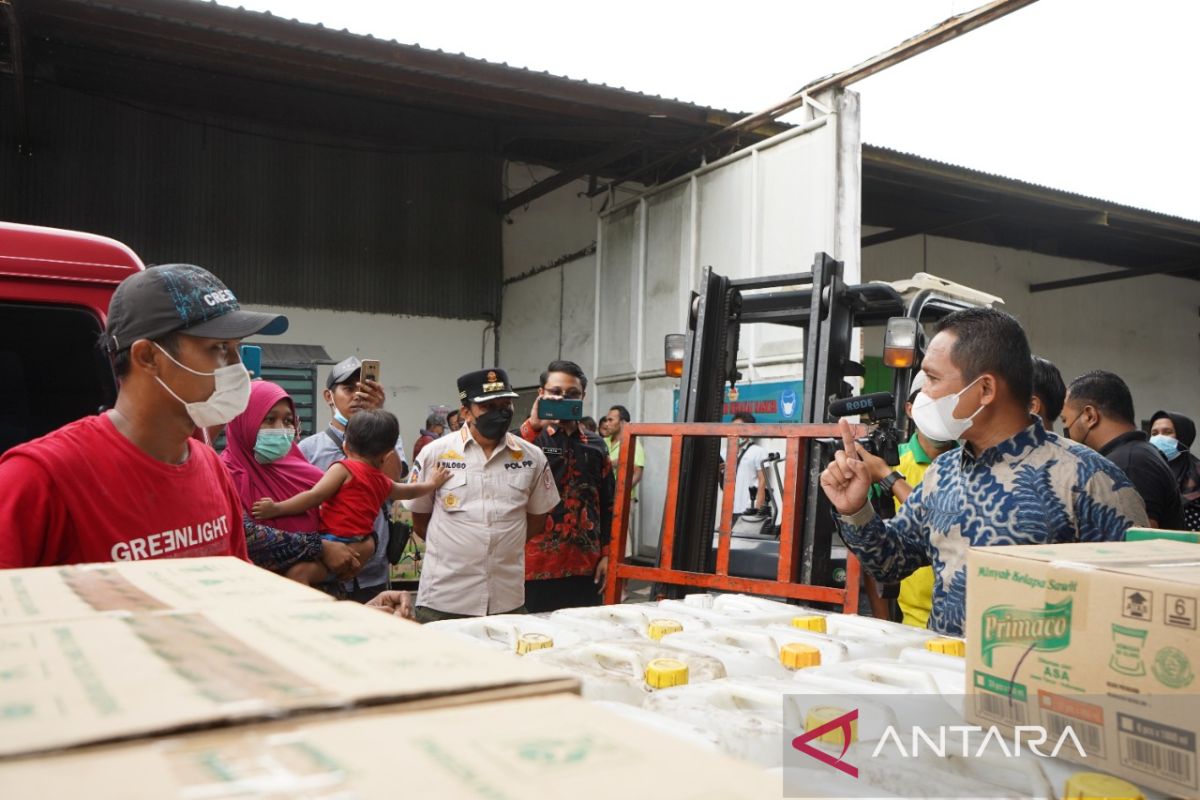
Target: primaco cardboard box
pixel 185 584
pixel 549 747
pixel 85 681
pixel 1101 637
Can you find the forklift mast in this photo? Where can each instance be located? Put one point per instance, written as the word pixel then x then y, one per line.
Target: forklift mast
pixel 710 362
pixel 826 310
pixel 820 304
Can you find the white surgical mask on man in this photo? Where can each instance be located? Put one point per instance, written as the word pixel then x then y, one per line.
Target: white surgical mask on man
pixel 935 418
pixel 231 394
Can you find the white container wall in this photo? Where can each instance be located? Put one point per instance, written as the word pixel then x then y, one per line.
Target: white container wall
pixel 608 304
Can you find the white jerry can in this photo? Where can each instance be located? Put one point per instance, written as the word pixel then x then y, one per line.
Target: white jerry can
pixel 647 620
pixel 521 633
pixel 735 610
pixel 751 652
pixel 628 670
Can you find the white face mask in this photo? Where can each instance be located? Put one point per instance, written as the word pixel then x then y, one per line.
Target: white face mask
pixel 935 418
pixel 231 394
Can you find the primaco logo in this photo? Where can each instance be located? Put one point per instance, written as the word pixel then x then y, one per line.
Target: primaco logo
pixel 1045 629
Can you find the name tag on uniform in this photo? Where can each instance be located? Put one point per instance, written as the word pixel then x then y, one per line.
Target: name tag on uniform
pixel 552 451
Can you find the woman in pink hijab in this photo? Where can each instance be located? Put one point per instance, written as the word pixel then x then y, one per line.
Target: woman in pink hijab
pixel 263 460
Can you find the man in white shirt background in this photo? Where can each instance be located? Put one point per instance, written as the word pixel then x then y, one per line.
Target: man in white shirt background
pixel 751 472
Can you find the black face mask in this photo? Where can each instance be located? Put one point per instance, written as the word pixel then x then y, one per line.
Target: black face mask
pixel 494 424
pixel 1067 430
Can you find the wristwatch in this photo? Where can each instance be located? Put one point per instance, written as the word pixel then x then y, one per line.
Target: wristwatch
pixel 887 483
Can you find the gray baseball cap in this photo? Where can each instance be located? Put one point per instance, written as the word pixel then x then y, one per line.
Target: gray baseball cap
pixel 184 298
pixel 342 371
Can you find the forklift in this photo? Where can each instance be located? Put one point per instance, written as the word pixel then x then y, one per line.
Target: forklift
pixel 804 558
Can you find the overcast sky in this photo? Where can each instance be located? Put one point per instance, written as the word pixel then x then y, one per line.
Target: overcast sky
pixel 1091 96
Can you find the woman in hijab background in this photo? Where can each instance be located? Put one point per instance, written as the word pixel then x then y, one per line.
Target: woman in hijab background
pixel 263 460
pixel 1174 434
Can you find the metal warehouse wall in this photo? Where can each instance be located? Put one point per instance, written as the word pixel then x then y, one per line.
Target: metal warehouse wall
pixel 282 222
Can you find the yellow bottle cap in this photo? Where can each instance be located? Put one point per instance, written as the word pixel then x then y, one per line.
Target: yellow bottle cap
pixel 659 628
pixel 528 642
pixel 819 715
pixel 1098 786
pixel 662 673
pixel 812 622
pixel 795 655
pixel 948 646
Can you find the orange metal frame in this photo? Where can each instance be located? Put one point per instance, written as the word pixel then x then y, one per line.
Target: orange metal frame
pixel 792 516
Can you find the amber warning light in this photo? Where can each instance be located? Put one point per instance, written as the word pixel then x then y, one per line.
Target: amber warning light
pixel 900 343
pixel 673 348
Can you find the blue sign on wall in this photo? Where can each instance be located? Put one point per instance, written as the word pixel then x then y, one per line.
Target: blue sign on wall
pixel 773 401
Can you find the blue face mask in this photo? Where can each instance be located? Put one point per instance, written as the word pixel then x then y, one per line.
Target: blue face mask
pixel 273 444
pixel 339 417
pixel 1168 446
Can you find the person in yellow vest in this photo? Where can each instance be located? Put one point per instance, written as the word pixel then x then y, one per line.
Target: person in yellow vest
pixel 916 591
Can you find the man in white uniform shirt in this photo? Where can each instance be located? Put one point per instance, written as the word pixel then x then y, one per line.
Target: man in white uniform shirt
pixel 751 471
pixel 476 524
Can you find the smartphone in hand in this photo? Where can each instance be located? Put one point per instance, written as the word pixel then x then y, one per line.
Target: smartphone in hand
pixel 559 408
pixel 370 370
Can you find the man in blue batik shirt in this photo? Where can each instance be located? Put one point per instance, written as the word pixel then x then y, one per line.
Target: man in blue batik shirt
pixel 1010 482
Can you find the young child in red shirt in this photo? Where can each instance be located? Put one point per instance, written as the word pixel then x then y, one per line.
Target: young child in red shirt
pixel 354 489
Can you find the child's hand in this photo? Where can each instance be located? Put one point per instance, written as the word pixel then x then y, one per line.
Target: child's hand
pixel 438 475
pixel 264 509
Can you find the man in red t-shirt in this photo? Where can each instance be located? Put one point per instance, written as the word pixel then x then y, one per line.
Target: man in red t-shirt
pixel 132 483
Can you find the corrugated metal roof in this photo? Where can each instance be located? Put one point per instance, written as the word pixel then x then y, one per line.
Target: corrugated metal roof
pixel 174 53
pixel 911 195
pixel 138 22
pixel 473 59
pixel 878 154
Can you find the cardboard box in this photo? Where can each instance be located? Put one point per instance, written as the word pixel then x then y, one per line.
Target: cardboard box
pixel 1101 637
pixel 88 590
pixel 71 683
pixel 1142 534
pixel 549 747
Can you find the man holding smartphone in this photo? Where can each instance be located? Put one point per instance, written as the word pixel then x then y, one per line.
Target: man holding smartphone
pixel 566 562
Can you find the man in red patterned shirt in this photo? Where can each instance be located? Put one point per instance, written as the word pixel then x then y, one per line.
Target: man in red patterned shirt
pixel 566 562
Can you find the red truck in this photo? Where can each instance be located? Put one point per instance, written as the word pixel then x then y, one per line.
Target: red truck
pixel 54 291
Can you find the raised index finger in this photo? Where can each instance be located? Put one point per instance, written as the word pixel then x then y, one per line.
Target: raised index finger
pixel 848 438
